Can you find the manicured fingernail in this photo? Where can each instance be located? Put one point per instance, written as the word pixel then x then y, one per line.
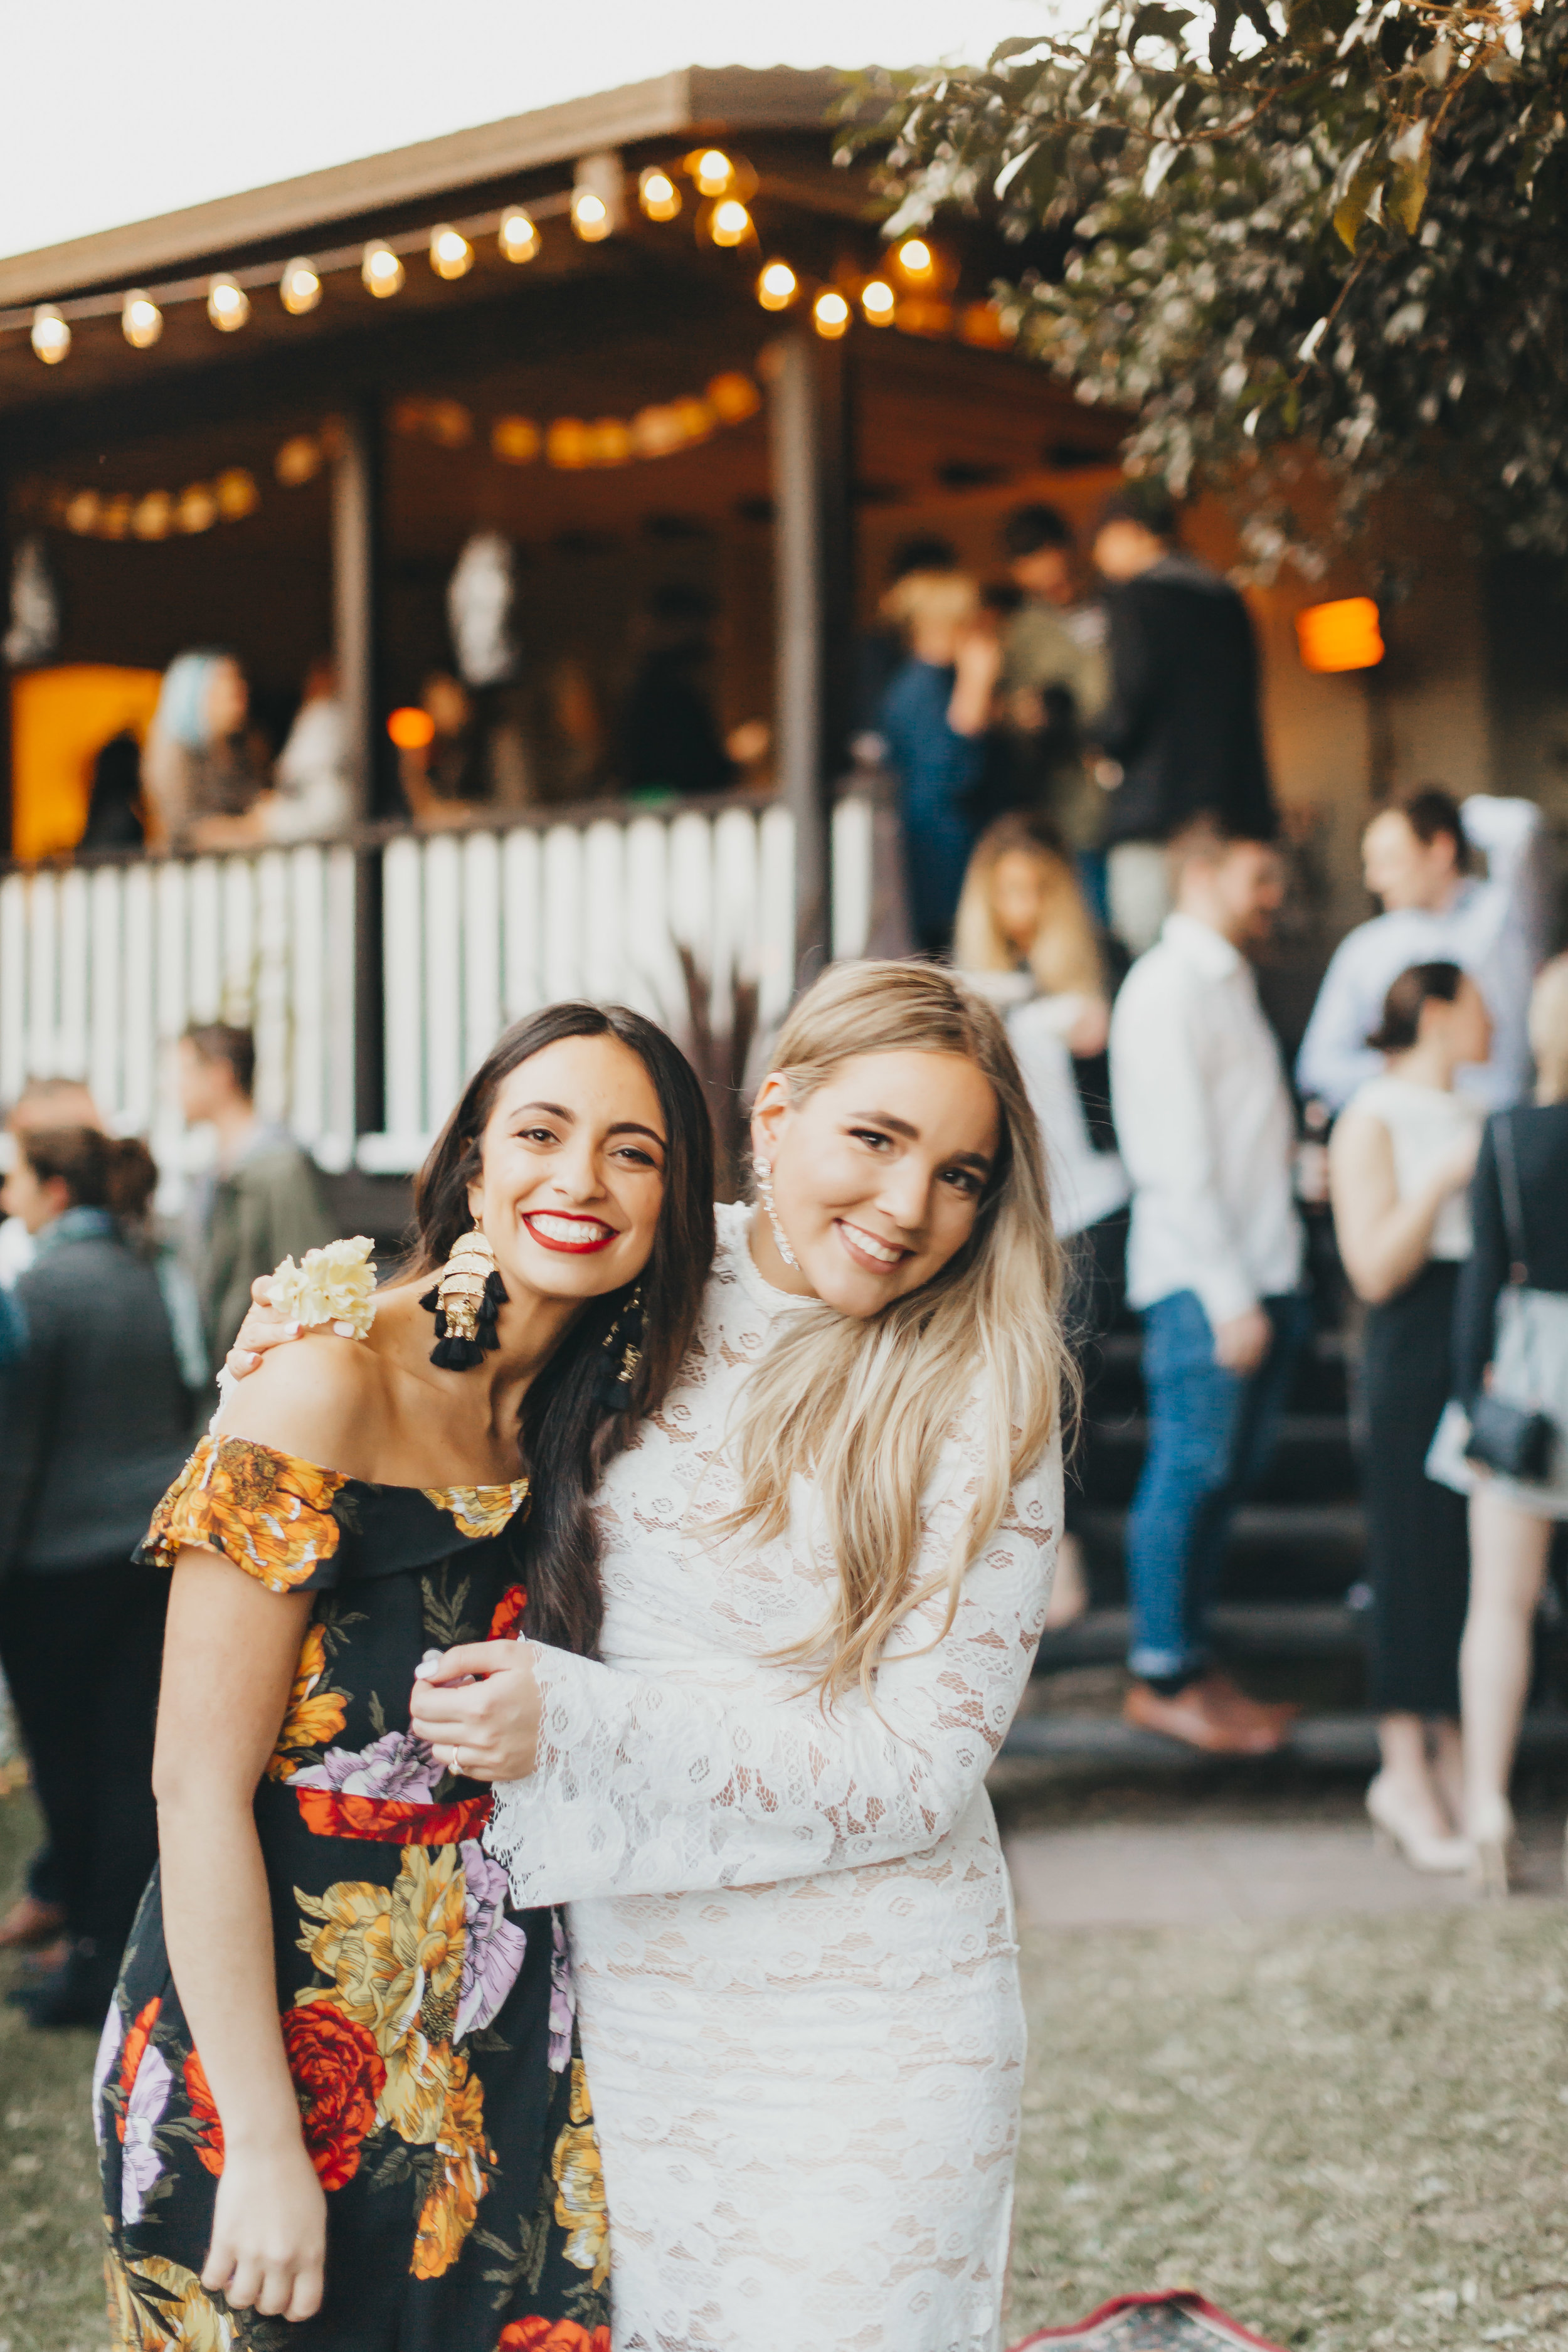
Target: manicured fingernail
pixel 244 1361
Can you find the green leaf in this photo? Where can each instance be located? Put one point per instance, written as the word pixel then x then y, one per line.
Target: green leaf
pixel 1356 202
pixel 1407 195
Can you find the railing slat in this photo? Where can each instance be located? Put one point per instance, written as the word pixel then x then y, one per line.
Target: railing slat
pixel 307 959
pixel 13 984
pixel 75 954
pixel 138 976
pixel 110 1000
pixel 481 946
pixel 562 913
pixel 443 978
pixel 335 1147
pixel 204 920
pixel 403 986
pixel 523 974
pixel 43 976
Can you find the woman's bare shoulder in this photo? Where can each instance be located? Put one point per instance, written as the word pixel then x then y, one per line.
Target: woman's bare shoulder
pixel 322 1399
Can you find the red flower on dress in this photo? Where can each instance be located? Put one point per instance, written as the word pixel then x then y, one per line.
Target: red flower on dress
pixel 537 2334
pixel 508 1617
pixel 136 2041
pixel 337 2078
pixel 391 1820
pixel 204 2114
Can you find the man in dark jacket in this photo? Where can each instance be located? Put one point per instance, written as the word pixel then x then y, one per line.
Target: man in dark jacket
pixel 1182 724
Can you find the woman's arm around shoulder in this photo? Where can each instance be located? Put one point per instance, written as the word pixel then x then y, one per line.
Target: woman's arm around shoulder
pixel 319 1401
pixel 643 1786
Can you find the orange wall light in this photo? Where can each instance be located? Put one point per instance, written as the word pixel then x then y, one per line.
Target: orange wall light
pixel 410 728
pixel 1340 636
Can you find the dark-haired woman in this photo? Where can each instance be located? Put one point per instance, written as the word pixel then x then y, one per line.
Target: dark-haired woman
pixel 1402 1156
pixel 96 1417
pixel 339 2083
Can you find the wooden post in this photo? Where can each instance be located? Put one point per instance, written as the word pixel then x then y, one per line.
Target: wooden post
pixel 356 647
pixel 356 568
pixel 800 712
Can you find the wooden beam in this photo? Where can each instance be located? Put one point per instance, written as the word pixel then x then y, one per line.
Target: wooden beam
pixel 356 581
pixel 800 701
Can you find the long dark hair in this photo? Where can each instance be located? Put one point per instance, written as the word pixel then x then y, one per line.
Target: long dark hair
pixel 99 1171
pixel 567 1437
pixel 1421 985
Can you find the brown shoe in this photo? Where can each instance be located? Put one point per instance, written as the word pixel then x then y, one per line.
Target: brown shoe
pixel 1256 1718
pixel 29 1922
pixel 1193 1716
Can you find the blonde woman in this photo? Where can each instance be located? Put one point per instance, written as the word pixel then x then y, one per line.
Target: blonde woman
pixel 826 1562
pixel 1022 915
pixel 1511 1335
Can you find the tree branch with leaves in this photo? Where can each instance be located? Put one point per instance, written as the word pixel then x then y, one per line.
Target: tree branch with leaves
pixel 1262 228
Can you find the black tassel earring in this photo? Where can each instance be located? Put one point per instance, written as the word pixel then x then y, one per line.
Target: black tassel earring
pixel 622 1346
pixel 466 1302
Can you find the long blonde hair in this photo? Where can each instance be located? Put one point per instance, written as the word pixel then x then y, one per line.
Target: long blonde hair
pixel 1064 954
pixel 861 1407
pixel 1549 1030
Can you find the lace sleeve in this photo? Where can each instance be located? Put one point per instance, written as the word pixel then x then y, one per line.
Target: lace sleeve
pixel 646 1787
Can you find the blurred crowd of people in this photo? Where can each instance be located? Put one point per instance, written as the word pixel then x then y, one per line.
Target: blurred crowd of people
pixel 111 1326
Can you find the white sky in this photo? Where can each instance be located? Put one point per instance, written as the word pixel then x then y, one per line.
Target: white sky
pixel 114 113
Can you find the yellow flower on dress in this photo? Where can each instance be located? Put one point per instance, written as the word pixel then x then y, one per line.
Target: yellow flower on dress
pixel 315 1716
pixel 394 1955
pixel 270 1513
pixel 452 2205
pixel 580 2185
pixel 479 1511
pixel 178 2310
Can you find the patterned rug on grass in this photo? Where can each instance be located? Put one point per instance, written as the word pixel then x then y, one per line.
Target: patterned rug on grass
pixel 1152 2323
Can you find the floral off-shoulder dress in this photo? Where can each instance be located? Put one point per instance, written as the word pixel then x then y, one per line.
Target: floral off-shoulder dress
pixel 428 2024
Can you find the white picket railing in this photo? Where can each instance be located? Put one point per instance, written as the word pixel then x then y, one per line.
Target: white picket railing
pixel 102 967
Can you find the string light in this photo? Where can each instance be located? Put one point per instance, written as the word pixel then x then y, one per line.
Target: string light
pixel 658 194
pixel 51 336
pixel 731 223
pixel 877 301
pixel 915 257
pixel 381 270
pixel 153 517
pixel 451 255
pixel 228 304
pixel 411 728
pixel 298 289
pixel 516 440
pixel 141 320
pixel 712 171
pixel 197 509
pixel 518 237
pixel 777 286
pixel 298 461
pixel 830 315
pixel 590 216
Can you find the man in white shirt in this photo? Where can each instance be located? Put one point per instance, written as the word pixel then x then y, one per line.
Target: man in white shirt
pixel 1416 857
pixel 1213 1264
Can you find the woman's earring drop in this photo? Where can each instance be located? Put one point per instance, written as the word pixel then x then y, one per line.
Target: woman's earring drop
pixel 466 1302
pixel 765 1175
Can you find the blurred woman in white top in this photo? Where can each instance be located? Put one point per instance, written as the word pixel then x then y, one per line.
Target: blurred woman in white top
pixel 1024 937
pixel 1400 1162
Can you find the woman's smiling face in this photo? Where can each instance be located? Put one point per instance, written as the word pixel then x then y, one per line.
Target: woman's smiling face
pixel 877 1174
pixel 573 1177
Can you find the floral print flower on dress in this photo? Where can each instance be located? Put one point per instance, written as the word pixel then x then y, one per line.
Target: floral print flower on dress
pixel 507 1615
pixel 580 2185
pixel 270 1513
pixel 338 2079
pixel 314 1716
pixel 142 2165
pixel 103 2067
pixel 539 2335
pixel 493 1945
pixel 394 1766
pixel 452 2204
pixel 563 1997
pixel 156 2304
pixel 480 1511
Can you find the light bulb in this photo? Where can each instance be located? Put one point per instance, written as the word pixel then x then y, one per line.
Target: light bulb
pixel 451 255
pixel 411 728
pixel 141 322
pixel 734 397
pixel 299 288
pixel 298 461
pixel 519 239
pixel 731 223
pixel 154 516
pixel 777 286
pixel 590 216
pixel 515 440
pixel 51 335
pixel 83 513
pixel 228 304
pixel 711 169
pixel 658 194
pixel 830 315
pixel 877 301
pixel 236 494
pixel 914 257
pixel 381 270
pixel 196 510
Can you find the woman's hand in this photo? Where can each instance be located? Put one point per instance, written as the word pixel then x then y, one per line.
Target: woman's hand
pixel 263 1329
pixel 478 1709
pixel 269 2232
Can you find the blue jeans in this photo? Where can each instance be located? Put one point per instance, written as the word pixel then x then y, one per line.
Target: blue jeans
pixel 1211 1436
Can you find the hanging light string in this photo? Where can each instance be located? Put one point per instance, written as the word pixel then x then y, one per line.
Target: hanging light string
pixel 571 444
pixel 909 296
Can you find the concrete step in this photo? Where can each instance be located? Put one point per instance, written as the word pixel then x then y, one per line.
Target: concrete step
pixel 1328 1740
pixel 1313 1461
pixel 1248 1629
pixel 1317 1528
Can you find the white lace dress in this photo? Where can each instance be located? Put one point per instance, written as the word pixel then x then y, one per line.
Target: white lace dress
pixel 791 1930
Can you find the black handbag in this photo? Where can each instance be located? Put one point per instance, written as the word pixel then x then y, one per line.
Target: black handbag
pixel 1514 1439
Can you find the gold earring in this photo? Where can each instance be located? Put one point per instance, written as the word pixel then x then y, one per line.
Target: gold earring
pixel 466 1301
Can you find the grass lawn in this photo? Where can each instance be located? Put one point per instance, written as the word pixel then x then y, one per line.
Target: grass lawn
pixel 1352 2132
